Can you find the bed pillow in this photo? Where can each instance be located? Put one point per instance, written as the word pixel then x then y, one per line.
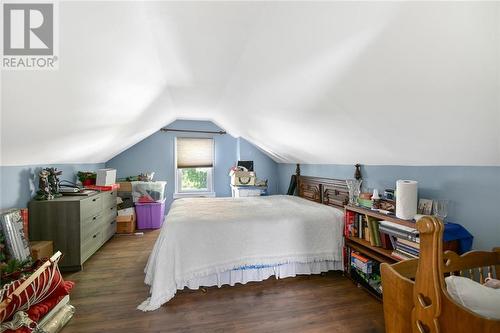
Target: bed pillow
pixel 480 299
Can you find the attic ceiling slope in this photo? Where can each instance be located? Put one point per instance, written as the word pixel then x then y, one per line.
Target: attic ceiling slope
pixel 388 83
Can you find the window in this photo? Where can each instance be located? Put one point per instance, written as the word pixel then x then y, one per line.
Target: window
pixel 194 161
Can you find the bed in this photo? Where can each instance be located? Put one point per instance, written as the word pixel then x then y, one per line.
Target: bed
pixel 218 241
pixel 417 293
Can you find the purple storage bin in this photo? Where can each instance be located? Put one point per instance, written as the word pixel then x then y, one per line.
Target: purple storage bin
pixel 150 215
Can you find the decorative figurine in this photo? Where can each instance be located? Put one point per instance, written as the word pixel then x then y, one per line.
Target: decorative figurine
pixel 54 181
pixel 357 172
pixel 43 192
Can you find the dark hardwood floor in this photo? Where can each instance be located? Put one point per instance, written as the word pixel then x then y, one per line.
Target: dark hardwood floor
pixel 111 286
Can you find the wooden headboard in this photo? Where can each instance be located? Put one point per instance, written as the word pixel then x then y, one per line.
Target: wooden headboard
pixel 328 191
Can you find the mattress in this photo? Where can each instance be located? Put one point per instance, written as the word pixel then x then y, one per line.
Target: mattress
pixel 208 239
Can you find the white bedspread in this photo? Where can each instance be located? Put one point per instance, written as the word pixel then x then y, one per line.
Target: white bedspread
pixel 203 236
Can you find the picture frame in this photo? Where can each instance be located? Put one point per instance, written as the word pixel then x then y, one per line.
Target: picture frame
pixel 425 206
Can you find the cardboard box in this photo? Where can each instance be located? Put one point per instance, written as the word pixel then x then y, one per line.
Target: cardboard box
pixel 125 187
pixel 125 224
pixel 126 211
pixel 41 249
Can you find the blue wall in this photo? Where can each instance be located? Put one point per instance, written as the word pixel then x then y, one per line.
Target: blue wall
pixel 156 153
pixel 18 184
pixel 473 191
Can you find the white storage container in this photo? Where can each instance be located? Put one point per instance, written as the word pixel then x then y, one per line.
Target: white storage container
pixel 106 177
pixel 240 191
pixel 149 191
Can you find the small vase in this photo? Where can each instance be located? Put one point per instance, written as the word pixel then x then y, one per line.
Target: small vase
pixel 354 187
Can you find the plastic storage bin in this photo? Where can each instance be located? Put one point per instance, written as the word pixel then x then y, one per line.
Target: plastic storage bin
pixel 148 191
pixel 150 215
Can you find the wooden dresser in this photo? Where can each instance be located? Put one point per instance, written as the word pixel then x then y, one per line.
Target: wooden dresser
pixel 78 225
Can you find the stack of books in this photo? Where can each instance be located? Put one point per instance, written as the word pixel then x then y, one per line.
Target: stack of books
pixel 366 272
pixel 361 263
pixel 405 240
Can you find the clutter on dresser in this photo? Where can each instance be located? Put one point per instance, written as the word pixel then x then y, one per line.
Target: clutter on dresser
pixel 48 184
pixel 87 177
pixel 106 177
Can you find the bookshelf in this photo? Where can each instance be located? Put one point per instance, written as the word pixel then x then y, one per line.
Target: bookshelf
pixel 376 254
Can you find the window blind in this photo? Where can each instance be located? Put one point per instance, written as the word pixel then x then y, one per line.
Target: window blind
pixel 195 153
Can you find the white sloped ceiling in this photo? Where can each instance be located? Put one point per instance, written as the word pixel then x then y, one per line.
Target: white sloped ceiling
pixel 340 82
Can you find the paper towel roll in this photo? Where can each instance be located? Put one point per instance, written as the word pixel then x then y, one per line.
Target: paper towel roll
pixel 406 199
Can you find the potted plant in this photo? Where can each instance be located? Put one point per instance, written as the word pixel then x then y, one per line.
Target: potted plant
pixel 87 177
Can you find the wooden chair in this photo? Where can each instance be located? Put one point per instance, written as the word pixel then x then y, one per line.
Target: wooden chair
pixel 415 296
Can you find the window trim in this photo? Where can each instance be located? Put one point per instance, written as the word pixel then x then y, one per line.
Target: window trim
pixel 210 177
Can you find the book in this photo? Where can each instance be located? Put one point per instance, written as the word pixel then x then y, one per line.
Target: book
pixel 407 249
pixel 399 233
pixel 359 256
pixel 366 233
pixel 361 263
pixel 399 255
pixel 360 226
pixel 373 224
pixel 371 227
pixel 348 222
pixel 400 227
pixel 386 240
pixel 409 243
pixel 376 225
pixel 406 253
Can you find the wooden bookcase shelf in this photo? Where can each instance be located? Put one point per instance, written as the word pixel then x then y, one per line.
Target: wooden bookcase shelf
pixel 380 216
pixel 377 253
pixel 364 247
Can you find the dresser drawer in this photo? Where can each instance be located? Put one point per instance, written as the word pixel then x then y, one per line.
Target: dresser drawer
pixel 109 213
pixel 91 220
pixel 91 244
pixel 108 199
pixel 90 206
pixel 89 229
pixel 110 230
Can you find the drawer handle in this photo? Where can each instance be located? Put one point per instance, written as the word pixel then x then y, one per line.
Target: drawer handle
pixel 94 218
pixel 112 222
pixel 94 236
pixel 112 208
pixel 94 200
